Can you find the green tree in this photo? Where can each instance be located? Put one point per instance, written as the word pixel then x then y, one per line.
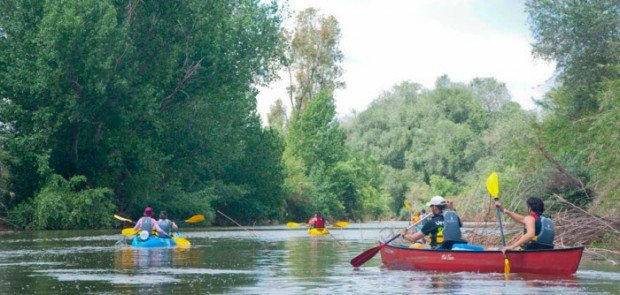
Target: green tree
pixel 583 38
pixel 313 58
pixel 154 100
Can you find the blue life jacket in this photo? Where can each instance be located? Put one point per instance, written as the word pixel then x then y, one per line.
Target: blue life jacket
pixel 451 227
pixel 544 230
pixel 166 225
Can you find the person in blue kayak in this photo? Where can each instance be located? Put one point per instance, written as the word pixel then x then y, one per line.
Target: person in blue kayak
pixel 317 221
pixel 538 231
pixel 444 226
pixel 147 224
pixel 166 224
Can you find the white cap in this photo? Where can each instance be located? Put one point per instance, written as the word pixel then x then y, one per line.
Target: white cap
pixel 436 200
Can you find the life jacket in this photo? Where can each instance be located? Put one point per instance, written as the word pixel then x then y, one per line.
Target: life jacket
pixel 437 238
pixel 146 225
pixel 451 227
pixel 319 223
pixel 544 232
pixel 166 225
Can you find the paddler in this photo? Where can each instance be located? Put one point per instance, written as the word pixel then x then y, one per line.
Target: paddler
pixel 538 231
pixel 317 221
pixel 166 224
pixel 147 223
pixel 444 226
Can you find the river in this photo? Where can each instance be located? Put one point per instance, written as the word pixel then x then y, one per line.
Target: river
pixel 277 260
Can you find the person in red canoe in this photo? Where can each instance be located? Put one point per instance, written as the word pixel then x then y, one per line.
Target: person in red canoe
pixel 147 223
pixel 317 221
pixel 538 231
pixel 444 226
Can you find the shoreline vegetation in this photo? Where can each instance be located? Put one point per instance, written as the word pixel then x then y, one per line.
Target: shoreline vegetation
pixel 107 107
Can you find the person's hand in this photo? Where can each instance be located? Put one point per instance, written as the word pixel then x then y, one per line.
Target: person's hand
pixel 504 249
pixel 498 204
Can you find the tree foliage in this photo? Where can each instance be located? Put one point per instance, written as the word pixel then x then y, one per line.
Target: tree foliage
pixel 153 100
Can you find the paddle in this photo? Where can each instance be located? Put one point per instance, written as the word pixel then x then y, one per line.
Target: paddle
pixel 196 218
pixel 123 218
pixel 291 224
pixel 493 188
pixel 340 224
pixel 358 260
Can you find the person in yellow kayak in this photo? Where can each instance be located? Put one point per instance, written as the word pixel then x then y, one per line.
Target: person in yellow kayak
pixel 444 226
pixel 166 224
pixel 317 221
pixel 147 224
pixel 538 231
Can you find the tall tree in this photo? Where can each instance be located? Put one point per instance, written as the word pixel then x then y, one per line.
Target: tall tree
pixel 313 58
pixel 277 118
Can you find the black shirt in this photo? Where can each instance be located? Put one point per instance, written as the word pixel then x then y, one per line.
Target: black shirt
pixel 432 227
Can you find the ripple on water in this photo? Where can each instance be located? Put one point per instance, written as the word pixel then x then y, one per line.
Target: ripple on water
pixel 598 275
pixel 147 276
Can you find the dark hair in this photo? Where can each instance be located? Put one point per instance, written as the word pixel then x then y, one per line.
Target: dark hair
pixel 163 215
pixel 536 204
pixel 423 211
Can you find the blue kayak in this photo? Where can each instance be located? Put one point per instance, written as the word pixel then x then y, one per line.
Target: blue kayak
pixel 153 242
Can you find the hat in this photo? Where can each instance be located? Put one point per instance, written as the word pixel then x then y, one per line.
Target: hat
pixel 148 211
pixel 436 201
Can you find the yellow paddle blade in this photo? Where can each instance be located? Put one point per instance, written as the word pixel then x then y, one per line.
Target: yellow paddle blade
pixel 407 204
pixel 292 224
pixel 181 242
pixel 493 185
pixel 129 231
pixel 341 224
pixel 122 218
pixel 195 218
pixel 506 266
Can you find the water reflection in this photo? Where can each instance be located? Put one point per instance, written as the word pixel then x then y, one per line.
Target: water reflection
pixel 139 258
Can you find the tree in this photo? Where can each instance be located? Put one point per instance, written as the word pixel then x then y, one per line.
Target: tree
pixel 154 100
pixel 276 118
pixel 313 58
pixel 582 37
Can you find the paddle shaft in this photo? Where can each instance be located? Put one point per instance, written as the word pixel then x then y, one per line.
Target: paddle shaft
pixel 408 228
pixel 501 226
pixel 241 226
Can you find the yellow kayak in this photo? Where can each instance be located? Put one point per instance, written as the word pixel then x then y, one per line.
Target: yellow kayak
pixel 318 231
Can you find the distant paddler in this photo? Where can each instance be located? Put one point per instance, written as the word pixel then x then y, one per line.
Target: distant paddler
pixel 147 224
pixel 316 221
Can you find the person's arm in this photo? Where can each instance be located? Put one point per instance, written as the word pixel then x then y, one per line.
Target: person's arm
pixel 426 229
pixel 515 216
pixel 138 225
pixel 175 226
pixel 530 231
pixel 155 225
pixel 412 238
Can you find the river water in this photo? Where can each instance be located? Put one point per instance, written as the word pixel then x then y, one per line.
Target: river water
pixel 277 260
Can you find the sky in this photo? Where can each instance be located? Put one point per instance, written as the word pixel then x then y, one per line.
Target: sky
pixel 385 42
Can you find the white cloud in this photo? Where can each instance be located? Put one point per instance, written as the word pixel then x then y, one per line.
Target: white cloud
pixel 386 42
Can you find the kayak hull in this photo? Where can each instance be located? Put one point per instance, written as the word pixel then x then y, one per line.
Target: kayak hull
pixel 318 231
pixel 153 242
pixel 553 261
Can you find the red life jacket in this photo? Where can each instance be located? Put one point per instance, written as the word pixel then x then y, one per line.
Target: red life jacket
pixel 319 223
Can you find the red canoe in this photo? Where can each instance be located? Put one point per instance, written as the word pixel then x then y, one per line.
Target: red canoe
pixel 556 261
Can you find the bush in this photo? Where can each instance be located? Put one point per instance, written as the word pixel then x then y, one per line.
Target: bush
pixel 64 204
